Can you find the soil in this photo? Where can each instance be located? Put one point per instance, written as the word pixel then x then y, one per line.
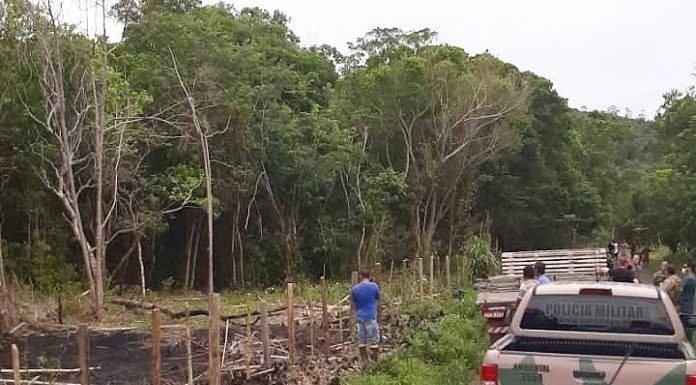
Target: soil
pixel 124 357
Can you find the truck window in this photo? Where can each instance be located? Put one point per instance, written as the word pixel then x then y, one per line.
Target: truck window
pixel 591 313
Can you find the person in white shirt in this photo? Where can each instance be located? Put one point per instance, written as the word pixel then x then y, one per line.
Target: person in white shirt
pixel 528 281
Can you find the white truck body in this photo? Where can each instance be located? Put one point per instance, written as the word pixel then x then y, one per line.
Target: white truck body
pixel 592 333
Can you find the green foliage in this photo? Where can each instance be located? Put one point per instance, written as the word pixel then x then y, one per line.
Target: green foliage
pixel 314 169
pixel 480 259
pixel 43 264
pixel 445 350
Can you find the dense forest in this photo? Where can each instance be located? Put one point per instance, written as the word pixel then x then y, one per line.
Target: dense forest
pixel 209 145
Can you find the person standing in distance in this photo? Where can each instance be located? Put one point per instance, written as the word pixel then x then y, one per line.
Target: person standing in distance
pixel 365 296
pixel 540 268
pixel 686 297
pixel 672 285
pixel 622 273
pixel 528 282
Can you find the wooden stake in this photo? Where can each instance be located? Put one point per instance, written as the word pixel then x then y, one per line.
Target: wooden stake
pixel 83 344
pixel 324 304
pixel 420 278
pixel 224 344
pixel 340 323
pixel 448 277
pixel 214 339
pixel 378 281
pixel 189 350
pixel 15 365
pixel 265 335
pixel 155 357
pixel 249 344
pixel 391 272
pixel 352 325
pixel 291 323
pixel 311 325
pixel 431 283
pixel 404 279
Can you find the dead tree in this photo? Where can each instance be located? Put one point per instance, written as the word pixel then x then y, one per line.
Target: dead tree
pixel 195 128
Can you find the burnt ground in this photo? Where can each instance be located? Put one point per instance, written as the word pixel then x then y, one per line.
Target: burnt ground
pixel 124 357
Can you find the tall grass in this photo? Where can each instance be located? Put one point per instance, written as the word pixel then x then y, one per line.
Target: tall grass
pixel 445 348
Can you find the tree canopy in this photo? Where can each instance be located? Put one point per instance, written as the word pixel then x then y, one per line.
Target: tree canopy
pixel 320 162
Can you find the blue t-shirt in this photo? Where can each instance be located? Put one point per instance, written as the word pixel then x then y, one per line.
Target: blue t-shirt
pixel 365 296
pixel 543 279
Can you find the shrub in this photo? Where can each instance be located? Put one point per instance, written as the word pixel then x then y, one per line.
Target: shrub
pixel 481 259
pixel 445 350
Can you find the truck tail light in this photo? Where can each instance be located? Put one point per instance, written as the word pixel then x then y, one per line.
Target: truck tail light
pixel 489 375
pixel 690 380
pixel 592 291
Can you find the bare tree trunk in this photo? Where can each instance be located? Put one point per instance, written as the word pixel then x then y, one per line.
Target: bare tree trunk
pixel 142 266
pixel 241 257
pixel 232 249
pixel 360 247
pixel 205 153
pixel 209 204
pixel 195 254
pixel 189 245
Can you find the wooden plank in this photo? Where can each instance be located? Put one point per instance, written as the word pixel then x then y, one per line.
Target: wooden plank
pixel 554 258
pixel 156 362
pixel 557 251
pixel 265 335
pixel 324 304
pixel 15 365
pixel 189 350
pixel 214 340
pixel 404 280
pixel 560 263
pixel 431 276
pixel 83 354
pixel 291 322
pixel 447 273
pixel 420 278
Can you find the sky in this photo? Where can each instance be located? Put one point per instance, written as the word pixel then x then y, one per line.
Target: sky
pixel 597 53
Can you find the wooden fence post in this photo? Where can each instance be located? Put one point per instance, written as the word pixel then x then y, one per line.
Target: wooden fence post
pixel 340 323
pixel 311 325
pixel 324 304
pixel 353 326
pixel 214 339
pixel 420 278
pixel 265 335
pixel 155 357
pixel 249 343
pixel 15 365
pixel 83 346
pixel 189 350
pixel 291 322
pixel 391 272
pixel 431 283
pixel 448 277
pixel 404 279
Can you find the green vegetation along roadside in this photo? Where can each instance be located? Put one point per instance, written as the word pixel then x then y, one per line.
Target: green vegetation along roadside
pixel 444 348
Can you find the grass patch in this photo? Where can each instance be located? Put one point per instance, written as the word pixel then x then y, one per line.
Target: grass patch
pixel 444 348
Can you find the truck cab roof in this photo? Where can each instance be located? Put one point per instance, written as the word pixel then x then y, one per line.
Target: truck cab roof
pixel 615 288
pixel 598 311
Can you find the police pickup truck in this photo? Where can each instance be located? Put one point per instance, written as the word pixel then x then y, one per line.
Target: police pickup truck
pixel 599 333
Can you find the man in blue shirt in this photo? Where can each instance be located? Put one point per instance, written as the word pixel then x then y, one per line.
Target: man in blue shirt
pixel 686 298
pixel 540 268
pixel 365 298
